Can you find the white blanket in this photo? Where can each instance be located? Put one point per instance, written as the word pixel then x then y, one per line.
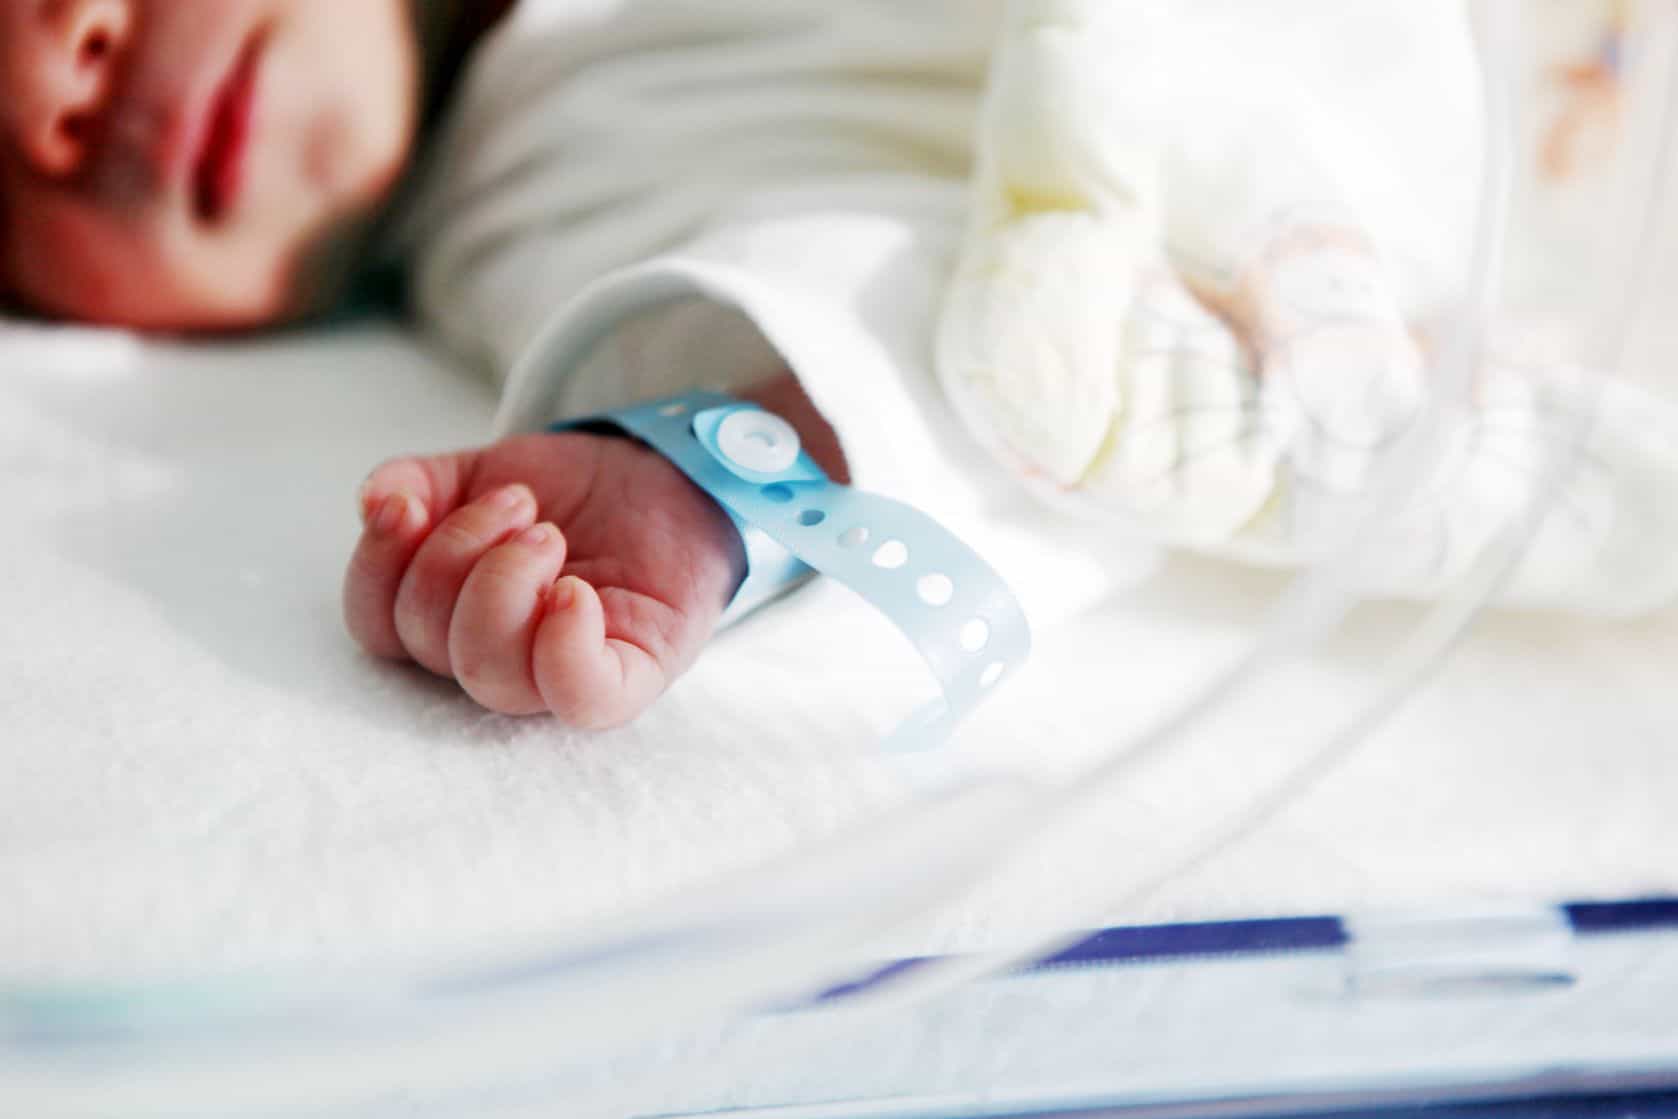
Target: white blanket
pixel 198 770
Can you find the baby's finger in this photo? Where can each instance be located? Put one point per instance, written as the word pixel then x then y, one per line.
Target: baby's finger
pixel 394 532
pixel 589 680
pixel 439 481
pixel 425 602
pixel 495 620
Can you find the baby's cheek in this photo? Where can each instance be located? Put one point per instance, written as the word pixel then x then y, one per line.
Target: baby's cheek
pixel 73 263
pixel 65 265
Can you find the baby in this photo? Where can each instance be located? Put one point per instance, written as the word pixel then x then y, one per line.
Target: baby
pixel 207 165
pixel 605 201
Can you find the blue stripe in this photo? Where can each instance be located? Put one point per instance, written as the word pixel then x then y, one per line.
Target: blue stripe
pixel 1222 938
pixel 1264 936
pixel 1592 917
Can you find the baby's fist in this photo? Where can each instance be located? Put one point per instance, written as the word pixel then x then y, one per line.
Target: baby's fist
pixel 571 573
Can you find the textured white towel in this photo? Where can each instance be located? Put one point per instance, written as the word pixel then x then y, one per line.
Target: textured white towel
pixel 198 770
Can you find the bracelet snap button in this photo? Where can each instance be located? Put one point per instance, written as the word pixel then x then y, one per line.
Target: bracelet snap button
pixel 758 441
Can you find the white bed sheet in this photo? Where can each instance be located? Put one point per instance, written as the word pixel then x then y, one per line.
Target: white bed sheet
pixel 199 771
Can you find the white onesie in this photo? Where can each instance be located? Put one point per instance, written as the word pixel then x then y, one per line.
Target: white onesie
pixel 634 197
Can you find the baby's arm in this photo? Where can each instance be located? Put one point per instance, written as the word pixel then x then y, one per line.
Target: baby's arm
pixel 801 217
pixel 569 573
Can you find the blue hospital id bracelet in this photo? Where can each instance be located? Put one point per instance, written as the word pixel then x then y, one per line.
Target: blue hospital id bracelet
pixel 795 522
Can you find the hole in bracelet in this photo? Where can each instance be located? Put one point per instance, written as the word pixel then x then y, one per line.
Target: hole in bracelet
pixel 935 589
pixel 778 493
pixel 891 555
pixel 810 518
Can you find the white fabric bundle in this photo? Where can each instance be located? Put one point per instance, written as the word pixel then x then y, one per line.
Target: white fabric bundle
pixel 1308 177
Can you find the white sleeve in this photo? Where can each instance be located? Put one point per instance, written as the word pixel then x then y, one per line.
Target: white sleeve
pixel 840 286
pixel 637 197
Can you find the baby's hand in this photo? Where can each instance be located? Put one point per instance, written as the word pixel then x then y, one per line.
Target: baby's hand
pixel 461 561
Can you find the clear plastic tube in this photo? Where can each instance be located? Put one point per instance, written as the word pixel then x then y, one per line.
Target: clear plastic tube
pixel 1321 598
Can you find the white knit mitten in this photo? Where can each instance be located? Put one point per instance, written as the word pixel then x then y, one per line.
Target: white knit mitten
pixel 1183 298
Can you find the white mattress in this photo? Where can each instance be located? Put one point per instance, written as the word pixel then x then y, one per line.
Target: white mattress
pixel 198 771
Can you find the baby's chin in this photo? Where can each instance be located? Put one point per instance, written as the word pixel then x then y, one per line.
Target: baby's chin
pixel 332 272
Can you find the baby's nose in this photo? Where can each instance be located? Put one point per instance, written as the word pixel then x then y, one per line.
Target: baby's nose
pixel 56 75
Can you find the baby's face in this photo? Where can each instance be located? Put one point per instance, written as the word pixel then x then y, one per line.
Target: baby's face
pixel 191 164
